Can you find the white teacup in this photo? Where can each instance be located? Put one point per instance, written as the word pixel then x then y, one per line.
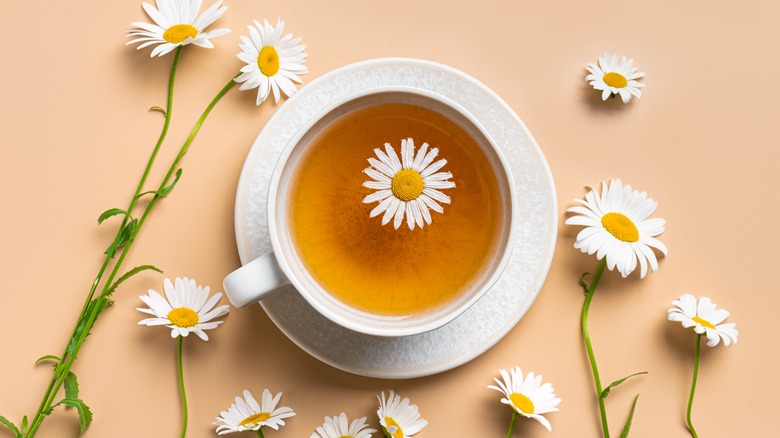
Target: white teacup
pixel 283 266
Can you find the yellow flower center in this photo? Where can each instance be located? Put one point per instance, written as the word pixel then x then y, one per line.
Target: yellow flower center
pixel 522 402
pixel 179 32
pixel 255 419
pixel 407 184
pixel 268 61
pixel 616 80
pixel 703 322
pixel 183 317
pixel 399 433
pixel 620 226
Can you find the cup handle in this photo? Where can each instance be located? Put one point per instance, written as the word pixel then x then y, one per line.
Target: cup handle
pixel 254 281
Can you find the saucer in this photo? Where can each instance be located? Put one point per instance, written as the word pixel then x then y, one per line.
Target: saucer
pixel 483 324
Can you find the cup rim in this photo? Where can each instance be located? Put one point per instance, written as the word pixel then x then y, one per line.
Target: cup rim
pixel 342 318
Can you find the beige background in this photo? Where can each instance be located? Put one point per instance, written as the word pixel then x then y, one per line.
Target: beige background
pixel 703 142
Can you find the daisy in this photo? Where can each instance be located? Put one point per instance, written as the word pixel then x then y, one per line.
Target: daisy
pixel 177 24
pixel 409 186
pixel 397 417
pixel 615 77
pixel 528 397
pixel 704 318
pixel 247 414
pixel 273 62
pixel 337 427
pixel 188 308
pixel 617 225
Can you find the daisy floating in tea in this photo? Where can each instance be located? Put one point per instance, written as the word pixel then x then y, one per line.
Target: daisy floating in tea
pixel 407 187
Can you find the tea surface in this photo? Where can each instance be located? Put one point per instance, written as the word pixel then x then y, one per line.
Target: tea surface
pixel 376 268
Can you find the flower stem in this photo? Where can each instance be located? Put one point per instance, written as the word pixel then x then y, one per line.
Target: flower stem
pixel 181 387
pixel 589 346
pixel 693 386
pixel 512 425
pixel 260 432
pixel 92 307
pixel 63 366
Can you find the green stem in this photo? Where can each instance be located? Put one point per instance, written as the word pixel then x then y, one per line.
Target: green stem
pixel 91 317
pixel 589 346
pixel 181 387
pixel 260 432
pixel 693 387
pixel 185 147
pixel 512 425
pixel 68 358
pixel 62 369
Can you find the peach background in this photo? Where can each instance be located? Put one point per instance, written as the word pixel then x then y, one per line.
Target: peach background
pixel 703 142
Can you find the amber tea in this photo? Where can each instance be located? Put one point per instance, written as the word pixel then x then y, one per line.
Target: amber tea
pixel 376 268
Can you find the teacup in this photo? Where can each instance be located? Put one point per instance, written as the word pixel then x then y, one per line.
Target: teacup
pixel 350 264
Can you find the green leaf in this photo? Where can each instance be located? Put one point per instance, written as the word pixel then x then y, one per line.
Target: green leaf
pixel 127 233
pixel 584 285
pixel 47 357
pixel 111 212
pixel 124 237
pixel 97 305
pixel 164 192
pixel 157 108
pixel 606 390
pixel 71 386
pixel 10 426
pixel 150 192
pixel 85 415
pixel 24 425
pixel 131 273
pixel 630 418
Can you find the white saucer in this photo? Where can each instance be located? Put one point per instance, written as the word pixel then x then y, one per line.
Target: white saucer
pixel 482 325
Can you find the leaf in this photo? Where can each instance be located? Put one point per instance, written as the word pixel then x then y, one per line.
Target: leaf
pixel 630 418
pixel 97 305
pixel 584 285
pixel 85 415
pixel 111 212
pixel 131 273
pixel 606 390
pixel 124 237
pixel 164 192
pixel 157 108
pixel 71 386
pixel 127 233
pixel 10 426
pixel 47 357
pixel 150 192
pixel 24 425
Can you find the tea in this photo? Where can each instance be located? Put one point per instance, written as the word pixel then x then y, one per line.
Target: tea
pixel 379 269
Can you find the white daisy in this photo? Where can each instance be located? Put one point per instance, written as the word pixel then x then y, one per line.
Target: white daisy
pixel 704 318
pixel 615 77
pixel 273 62
pixel 409 186
pixel 338 427
pixel 246 414
pixel 177 24
pixel 188 308
pixel 528 397
pixel 397 417
pixel 617 226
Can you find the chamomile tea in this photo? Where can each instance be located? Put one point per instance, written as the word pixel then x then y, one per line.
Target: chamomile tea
pixel 377 268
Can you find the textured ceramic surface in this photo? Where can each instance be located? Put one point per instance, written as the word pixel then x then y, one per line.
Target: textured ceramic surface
pixel 479 327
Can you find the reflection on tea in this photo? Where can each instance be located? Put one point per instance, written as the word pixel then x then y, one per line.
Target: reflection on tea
pixel 376 268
